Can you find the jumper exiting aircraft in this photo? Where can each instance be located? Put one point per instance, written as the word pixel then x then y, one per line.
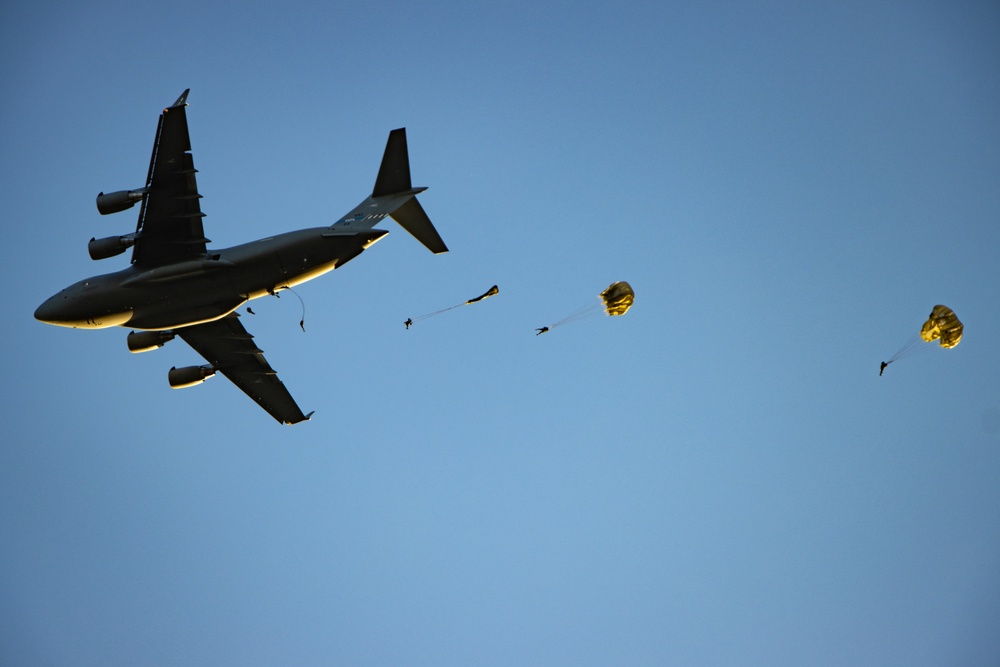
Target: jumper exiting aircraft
pixel 176 286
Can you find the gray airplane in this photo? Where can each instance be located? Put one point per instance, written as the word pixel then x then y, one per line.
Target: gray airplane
pixel 177 286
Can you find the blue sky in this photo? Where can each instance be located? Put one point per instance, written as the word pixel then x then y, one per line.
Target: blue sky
pixel 719 477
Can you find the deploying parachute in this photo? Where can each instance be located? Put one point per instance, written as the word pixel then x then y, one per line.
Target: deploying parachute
pixel 615 300
pixel 942 326
pixel 488 293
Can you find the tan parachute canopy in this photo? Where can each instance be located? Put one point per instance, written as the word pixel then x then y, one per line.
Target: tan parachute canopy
pixel 618 298
pixel 942 325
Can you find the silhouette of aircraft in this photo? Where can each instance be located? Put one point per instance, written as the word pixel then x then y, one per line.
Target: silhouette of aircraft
pixel 177 286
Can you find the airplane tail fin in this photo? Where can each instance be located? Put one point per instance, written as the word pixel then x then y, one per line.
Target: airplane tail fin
pixel 394 180
pixel 394 173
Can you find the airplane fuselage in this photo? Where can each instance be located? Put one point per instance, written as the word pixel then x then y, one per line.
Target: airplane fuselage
pixel 205 288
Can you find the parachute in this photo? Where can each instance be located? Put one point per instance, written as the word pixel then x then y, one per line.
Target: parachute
pixel 618 298
pixel 488 293
pixel 942 325
pixel 615 300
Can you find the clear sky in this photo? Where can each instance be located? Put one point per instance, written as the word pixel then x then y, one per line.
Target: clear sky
pixel 719 477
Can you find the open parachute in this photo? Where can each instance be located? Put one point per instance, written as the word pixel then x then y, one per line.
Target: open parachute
pixel 615 301
pixel 618 298
pixel 942 325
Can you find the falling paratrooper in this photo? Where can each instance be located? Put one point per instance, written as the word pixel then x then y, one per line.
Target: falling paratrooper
pixel 942 325
pixel 615 301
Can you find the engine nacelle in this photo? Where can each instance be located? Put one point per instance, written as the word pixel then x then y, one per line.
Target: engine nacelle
pixel 110 246
pixel 144 341
pixel 113 202
pixel 189 376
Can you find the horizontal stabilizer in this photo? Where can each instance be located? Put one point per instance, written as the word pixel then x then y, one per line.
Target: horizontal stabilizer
pixel 412 218
pixel 181 101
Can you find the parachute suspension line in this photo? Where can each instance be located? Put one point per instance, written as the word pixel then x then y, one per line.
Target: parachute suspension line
pixel 903 349
pixel 580 313
pixel 302 320
pixel 915 345
pixel 436 312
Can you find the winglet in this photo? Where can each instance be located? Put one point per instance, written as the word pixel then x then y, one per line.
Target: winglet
pixel 305 418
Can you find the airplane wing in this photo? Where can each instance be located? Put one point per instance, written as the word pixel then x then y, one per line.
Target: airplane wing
pixel 230 349
pixel 170 226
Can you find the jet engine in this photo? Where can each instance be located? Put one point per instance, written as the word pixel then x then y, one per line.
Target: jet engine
pixel 113 202
pixel 189 376
pixel 144 341
pixel 110 246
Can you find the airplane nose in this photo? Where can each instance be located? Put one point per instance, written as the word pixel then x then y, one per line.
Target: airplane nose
pixel 67 309
pixel 48 311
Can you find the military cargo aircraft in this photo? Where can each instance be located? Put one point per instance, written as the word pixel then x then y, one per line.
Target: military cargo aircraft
pixel 177 286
